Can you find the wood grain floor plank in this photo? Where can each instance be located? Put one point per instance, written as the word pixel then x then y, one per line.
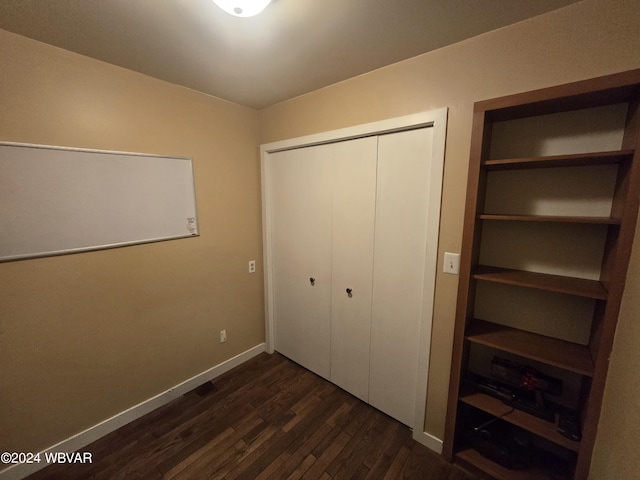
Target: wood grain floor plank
pixel 245 456
pixel 274 467
pixel 299 434
pixel 268 419
pixel 199 435
pixel 302 468
pixel 397 466
pixel 359 447
pixel 202 452
pixel 394 439
pixel 303 452
pixel 421 466
pixel 222 449
pixel 324 460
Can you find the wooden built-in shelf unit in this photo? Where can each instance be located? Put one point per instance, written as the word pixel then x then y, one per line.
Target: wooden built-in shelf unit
pixel 551 209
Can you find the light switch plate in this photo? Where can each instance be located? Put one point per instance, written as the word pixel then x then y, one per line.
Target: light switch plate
pixel 451 263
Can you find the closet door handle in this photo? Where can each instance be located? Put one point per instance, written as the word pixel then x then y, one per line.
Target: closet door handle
pixel 312 281
pixel 349 292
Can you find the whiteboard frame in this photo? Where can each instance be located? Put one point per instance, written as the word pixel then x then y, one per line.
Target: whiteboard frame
pixel 69 251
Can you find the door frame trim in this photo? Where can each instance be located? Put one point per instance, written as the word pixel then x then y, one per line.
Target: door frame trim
pixel 437 119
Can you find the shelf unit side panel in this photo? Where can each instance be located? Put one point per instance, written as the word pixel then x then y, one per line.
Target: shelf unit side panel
pixel 481 131
pixel 632 128
pixel 596 328
pixel 618 276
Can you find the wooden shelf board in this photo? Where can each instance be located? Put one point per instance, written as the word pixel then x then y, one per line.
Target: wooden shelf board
pixel 519 418
pixel 607 90
pixel 552 351
pixel 542 281
pixel 472 458
pixel 551 218
pixel 574 160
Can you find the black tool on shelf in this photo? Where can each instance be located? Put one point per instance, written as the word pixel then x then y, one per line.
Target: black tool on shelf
pixel 569 425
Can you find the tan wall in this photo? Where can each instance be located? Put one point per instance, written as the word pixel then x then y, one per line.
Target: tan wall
pixel 592 38
pixel 86 336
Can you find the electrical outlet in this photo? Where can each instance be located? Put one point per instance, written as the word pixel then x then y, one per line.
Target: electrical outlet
pixel 252 266
pixel 223 336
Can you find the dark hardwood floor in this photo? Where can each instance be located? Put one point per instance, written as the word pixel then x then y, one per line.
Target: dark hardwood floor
pixel 267 419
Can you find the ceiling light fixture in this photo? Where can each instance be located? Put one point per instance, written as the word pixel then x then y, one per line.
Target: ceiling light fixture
pixel 242 8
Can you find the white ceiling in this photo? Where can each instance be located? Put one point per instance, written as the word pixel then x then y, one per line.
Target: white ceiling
pixel 293 47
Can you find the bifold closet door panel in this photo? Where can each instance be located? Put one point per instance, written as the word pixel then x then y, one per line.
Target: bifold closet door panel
pixel 399 260
pixel 352 215
pixel 301 250
pixel 354 197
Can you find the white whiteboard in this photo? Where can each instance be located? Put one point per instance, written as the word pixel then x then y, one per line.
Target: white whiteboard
pixel 56 200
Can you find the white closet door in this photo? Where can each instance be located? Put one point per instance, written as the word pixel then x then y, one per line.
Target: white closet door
pixel 354 197
pixel 399 259
pixel 301 250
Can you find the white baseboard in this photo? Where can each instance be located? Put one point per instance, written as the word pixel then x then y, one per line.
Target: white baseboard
pixel 82 439
pixel 428 440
